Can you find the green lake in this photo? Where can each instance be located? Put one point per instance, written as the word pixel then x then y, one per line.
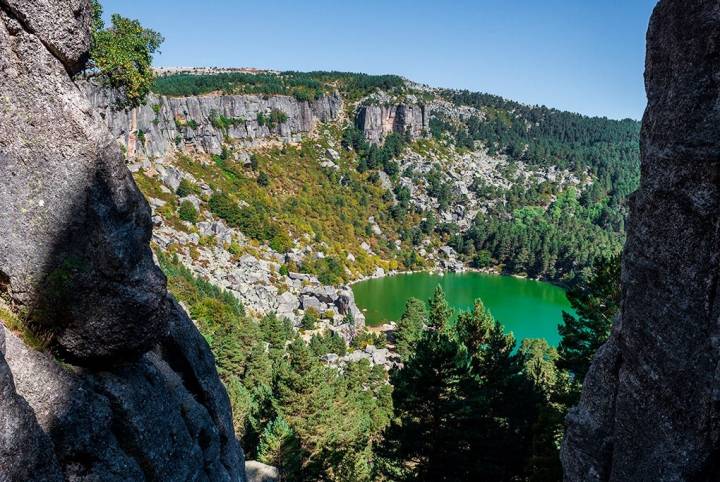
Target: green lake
pixel 529 309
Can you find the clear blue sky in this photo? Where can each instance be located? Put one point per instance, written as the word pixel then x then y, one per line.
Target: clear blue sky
pixel 579 55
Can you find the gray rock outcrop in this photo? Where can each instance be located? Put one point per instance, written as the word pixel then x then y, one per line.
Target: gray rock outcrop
pixel 649 407
pixel 377 121
pixel 137 396
pixel 26 451
pixel 259 472
pixel 203 123
pixel 75 228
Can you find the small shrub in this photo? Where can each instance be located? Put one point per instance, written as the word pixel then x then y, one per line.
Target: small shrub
pixel 156 110
pixel 309 320
pixel 187 212
pixel 284 271
pixel 365 338
pixel 261 119
pixel 222 123
pixel 186 188
pixel 235 249
pixel 275 118
pixel 263 179
pixel 280 243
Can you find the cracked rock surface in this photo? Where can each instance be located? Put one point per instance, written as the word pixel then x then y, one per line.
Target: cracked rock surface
pixel 649 408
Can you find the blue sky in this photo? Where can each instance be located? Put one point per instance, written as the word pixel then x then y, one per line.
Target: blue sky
pixel 580 55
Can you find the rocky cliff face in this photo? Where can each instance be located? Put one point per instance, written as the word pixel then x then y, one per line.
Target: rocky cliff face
pixel 377 121
pixel 204 122
pixel 137 396
pixel 649 409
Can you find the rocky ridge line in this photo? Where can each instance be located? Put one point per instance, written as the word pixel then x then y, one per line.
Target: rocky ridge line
pixel 198 122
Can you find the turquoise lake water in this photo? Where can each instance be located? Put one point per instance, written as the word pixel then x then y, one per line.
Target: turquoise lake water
pixel 530 309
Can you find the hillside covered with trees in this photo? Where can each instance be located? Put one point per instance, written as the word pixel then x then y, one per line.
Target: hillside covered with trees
pixel 496 184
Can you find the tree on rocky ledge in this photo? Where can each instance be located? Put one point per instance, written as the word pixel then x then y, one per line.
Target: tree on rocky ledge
pixel 121 56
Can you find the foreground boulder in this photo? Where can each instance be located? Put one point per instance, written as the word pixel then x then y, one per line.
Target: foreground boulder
pixel 649 408
pixel 259 472
pixel 76 229
pixel 137 396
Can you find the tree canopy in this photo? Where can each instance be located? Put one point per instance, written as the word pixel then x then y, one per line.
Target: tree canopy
pixel 121 55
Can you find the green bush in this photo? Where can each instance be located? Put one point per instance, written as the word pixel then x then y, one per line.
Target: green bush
pixel 309 320
pixel 263 179
pixel 219 121
pixel 261 119
pixel 280 243
pixel 275 118
pixel 187 212
pixel 186 188
pixel 254 162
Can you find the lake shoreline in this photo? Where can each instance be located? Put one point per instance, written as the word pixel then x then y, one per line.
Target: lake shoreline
pixel 495 271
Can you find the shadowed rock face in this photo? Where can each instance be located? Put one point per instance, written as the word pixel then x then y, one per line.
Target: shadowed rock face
pixel 141 399
pixel 75 227
pixel 25 450
pixel 649 409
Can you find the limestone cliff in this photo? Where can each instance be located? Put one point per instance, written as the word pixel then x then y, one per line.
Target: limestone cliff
pixel 137 396
pixel 649 408
pixel 377 121
pixel 202 123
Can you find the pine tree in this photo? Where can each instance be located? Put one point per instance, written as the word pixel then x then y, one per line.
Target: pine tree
pixel 279 447
pixel 538 360
pixel 440 311
pixel 410 327
pixel 473 327
pixel 596 306
pixel 428 399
